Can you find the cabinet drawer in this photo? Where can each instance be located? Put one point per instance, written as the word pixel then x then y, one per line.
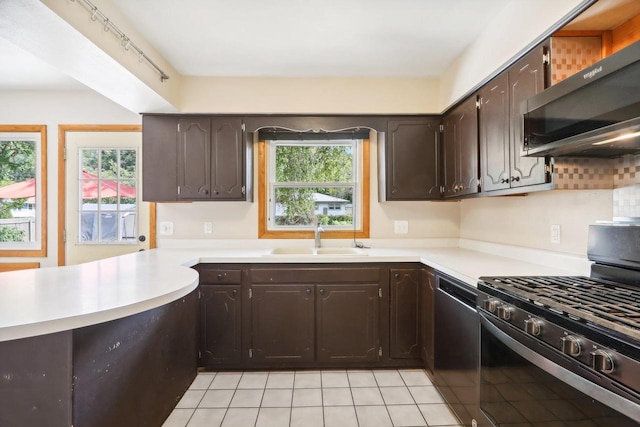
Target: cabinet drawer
pixel 220 276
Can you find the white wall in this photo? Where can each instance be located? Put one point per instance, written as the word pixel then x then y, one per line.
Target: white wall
pixel 526 220
pixel 53 109
pixel 310 95
pixel 511 30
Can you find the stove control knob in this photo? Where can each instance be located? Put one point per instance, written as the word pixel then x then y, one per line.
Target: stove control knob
pixel 505 312
pixel 491 305
pixel 571 345
pixel 533 326
pixel 602 361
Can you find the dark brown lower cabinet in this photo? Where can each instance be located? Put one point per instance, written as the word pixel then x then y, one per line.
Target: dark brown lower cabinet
pixel 282 323
pixel 220 324
pixel 347 322
pixel 405 313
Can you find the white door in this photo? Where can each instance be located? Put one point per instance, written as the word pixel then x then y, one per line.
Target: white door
pixel 105 215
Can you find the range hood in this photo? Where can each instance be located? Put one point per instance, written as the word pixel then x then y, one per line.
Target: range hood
pixel 595 113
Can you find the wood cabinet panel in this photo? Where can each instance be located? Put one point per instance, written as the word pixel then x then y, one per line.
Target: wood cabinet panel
pixel 427 295
pixel 460 140
pixel 220 324
pixel 412 159
pixel 405 313
pixel 282 323
pixel 159 135
pixel 347 322
pixel 228 151
pixel 494 134
pixel 194 158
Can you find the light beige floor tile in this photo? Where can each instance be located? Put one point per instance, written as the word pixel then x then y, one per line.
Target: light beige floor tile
pixel 178 418
pixel 334 379
pixel 406 415
pixel 307 380
pixel 336 397
pixel 307 417
pixel 246 399
pixel 253 380
pixel 190 399
pixel 388 378
pixel 340 416
pixel 278 380
pixel 362 379
pixel 206 417
pixel 425 394
pixel 216 399
pixel 240 417
pixel 202 382
pixel 277 398
pixel 226 381
pixel 396 396
pixel 415 377
pixel 307 397
pixel 367 396
pixel 438 414
pixel 273 417
pixel 373 416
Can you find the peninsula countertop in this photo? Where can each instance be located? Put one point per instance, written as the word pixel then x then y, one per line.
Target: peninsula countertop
pixel 42 301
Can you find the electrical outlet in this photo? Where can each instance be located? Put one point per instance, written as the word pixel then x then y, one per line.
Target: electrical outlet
pixel 555 233
pixel 208 228
pixel 401 227
pixel 166 228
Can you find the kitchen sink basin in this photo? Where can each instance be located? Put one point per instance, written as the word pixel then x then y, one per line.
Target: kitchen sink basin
pixel 316 252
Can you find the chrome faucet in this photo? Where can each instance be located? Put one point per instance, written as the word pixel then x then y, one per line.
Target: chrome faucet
pixel 318 230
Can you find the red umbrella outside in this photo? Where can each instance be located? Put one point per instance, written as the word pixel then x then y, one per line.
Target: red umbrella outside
pixel 108 188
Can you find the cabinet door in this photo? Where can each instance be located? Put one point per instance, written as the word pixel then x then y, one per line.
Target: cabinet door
pixel 282 323
pixel 412 159
pixel 405 312
pixel 159 184
pixel 526 78
pixel 194 158
pixel 461 149
pixel 227 144
pixel 494 134
pixel 427 287
pixel 220 324
pixel 347 323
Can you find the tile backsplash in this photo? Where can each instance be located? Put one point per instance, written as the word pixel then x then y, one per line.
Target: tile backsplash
pixel 621 174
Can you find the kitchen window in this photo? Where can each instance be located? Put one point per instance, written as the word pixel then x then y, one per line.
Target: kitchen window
pixel 23 191
pixel 309 181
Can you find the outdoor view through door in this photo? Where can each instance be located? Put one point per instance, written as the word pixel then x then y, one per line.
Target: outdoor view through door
pixel 313 181
pixel 107 199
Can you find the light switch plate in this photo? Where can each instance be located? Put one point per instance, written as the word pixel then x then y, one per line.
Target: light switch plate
pixel 208 228
pixel 401 227
pixel 166 228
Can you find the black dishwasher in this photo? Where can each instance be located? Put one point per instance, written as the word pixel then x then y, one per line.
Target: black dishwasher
pixel 457 348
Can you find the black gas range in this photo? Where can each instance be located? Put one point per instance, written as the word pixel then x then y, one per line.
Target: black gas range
pixel 580 335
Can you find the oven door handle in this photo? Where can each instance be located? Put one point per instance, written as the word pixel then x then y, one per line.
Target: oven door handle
pixel 619 403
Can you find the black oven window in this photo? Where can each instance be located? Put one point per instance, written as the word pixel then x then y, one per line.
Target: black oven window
pixel 514 392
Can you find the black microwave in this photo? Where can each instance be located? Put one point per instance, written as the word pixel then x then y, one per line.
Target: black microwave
pixel 594 113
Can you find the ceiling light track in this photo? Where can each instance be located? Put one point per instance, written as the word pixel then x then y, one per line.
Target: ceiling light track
pixel 127 44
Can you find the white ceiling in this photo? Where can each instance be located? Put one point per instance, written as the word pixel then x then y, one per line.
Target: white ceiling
pixel 286 38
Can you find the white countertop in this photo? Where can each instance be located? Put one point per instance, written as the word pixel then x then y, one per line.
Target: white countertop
pixel 41 301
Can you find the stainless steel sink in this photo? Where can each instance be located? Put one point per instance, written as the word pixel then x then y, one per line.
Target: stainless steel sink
pixel 316 252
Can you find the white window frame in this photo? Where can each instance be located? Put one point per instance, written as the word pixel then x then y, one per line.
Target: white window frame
pixel 117 211
pixel 38 243
pixel 355 184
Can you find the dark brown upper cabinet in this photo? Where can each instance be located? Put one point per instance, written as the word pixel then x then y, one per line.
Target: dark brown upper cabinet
pixel 405 313
pixel 194 158
pixel 460 140
pixel 411 160
pixel 501 165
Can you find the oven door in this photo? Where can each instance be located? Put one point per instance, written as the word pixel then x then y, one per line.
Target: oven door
pixel 526 387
